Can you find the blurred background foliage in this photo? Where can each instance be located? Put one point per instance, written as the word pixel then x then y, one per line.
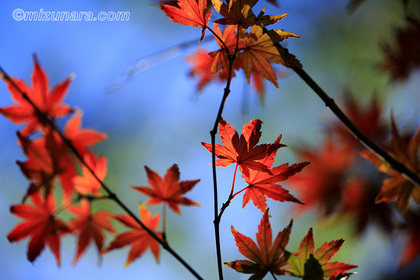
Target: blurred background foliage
pixel 157 118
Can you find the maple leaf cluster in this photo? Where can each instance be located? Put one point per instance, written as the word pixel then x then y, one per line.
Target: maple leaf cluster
pixel 337 180
pixel 54 156
pixel 253 51
pixel 255 162
pixel 267 256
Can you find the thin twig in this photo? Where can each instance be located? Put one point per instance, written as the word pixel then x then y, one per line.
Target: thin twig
pixel 230 197
pixel 111 194
pixel 150 61
pixel 219 39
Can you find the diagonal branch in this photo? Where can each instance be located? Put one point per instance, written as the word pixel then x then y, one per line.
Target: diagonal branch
pixel 110 194
pixel 362 138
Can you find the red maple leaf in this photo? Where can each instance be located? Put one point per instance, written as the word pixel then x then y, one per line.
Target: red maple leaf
pixel 48 101
pixel 201 64
pixel 411 249
pixel 137 237
pixel 41 224
pixel 358 203
pixel 265 256
pixel 89 227
pixel 307 262
pixel 168 189
pixel 87 183
pixel 263 184
pixel 368 120
pixel 47 158
pixel 243 150
pixel 322 183
pixel 39 166
pixel 82 138
pixel 189 12
pixel 259 86
pixel 401 57
pixel 397 187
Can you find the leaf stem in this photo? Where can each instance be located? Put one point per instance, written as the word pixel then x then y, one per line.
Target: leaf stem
pixel 164 221
pixel 231 196
pixel 113 196
pixel 238 192
pixel 234 179
pixel 220 40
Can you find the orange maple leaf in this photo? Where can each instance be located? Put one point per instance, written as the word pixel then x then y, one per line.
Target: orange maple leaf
pixel 220 59
pixel 87 183
pixel 265 256
pixel 316 265
pixel 259 50
pixel 397 187
pixel 243 150
pixel 89 227
pixel 239 12
pixel 168 189
pixel 41 224
pixel 137 237
pixel 48 101
pixel 189 12
pixel 236 12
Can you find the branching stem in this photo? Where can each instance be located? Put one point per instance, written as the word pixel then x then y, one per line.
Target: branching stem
pixel 213 132
pixel 231 195
pixel 234 180
pixel 220 40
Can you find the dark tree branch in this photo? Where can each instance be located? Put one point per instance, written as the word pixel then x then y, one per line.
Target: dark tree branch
pixel 362 138
pixel 213 133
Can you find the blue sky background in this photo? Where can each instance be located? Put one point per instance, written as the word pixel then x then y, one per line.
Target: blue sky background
pixel 157 119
